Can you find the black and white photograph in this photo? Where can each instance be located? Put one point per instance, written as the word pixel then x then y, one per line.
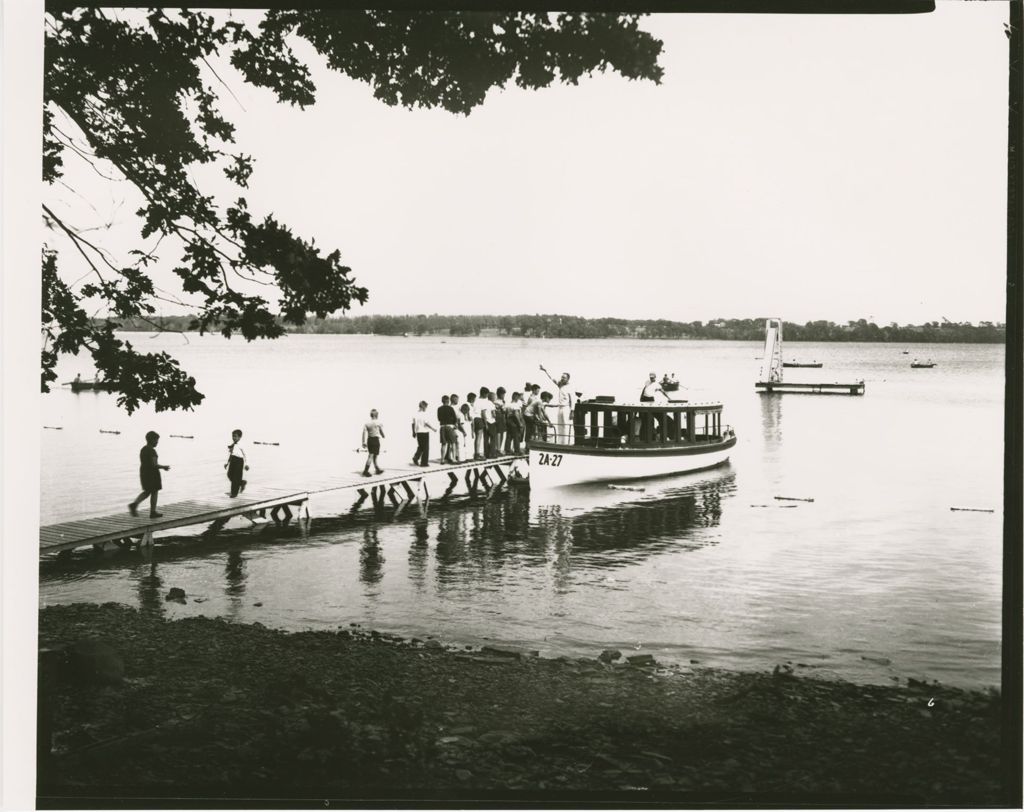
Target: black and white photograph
pixel 485 406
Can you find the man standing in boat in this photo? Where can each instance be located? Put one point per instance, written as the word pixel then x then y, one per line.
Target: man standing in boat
pixel 651 388
pixel 563 406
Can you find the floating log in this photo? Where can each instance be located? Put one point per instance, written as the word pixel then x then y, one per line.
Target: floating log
pixel 627 488
pixel 974 510
pixel 794 499
pixel 261 442
pixel 183 436
pixel 55 428
pixel 109 431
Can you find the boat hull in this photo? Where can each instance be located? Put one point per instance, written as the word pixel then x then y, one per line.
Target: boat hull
pixel 552 465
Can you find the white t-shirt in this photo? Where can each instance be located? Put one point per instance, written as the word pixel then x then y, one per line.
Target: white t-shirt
pixel 650 388
pixel 237 450
pixel 563 398
pixel 421 422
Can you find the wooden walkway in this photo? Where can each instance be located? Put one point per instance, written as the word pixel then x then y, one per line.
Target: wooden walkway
pixel 396 484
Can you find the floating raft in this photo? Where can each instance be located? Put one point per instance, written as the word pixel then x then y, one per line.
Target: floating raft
pixel 784 387
pixel 770 379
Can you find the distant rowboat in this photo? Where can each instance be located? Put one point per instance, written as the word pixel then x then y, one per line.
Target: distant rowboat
pixel 922 365
pixel 79 385
pixel 808 365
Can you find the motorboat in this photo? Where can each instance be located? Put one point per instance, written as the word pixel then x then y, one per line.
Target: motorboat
pixel 611 440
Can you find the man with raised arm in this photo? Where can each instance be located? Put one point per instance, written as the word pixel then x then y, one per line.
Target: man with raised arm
pixel 563 406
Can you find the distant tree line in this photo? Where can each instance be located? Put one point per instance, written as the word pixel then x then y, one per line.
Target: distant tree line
pixel 556 326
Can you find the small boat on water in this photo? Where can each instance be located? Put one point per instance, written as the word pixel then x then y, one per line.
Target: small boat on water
pixel 669 383
pixel 78 385
pixel 921 364
pixel 807 365
pixel 612 440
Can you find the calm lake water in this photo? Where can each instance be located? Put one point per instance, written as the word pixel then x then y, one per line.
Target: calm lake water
pixel 875 579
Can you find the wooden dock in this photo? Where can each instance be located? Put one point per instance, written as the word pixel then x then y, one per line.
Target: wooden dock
pixel 397 484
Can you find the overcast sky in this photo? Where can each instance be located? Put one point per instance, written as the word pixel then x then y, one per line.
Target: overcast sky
pixel 810 167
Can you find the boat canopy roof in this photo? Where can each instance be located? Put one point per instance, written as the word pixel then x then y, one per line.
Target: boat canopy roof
pixel 661 406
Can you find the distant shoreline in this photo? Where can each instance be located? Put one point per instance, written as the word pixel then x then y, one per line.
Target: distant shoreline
pixel 554 326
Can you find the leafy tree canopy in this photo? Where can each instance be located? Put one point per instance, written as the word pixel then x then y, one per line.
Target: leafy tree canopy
pixel 140 91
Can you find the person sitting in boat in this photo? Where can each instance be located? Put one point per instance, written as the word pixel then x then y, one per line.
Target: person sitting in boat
pixel 651 388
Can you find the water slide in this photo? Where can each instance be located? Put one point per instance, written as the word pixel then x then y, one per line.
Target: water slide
pixel 771 363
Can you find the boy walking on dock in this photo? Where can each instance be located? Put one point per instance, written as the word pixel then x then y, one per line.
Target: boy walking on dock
pixel 372 434
pixel 514 419
pixel 421 428
pixel 149 475
pixel 448 420
pixel 237 463
pixel 477 432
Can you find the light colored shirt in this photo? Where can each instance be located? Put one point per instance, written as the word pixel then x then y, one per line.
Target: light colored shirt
pixel 237 450
pixel 650 388
pixel 487 411
pixel 421 423
pixel 563 398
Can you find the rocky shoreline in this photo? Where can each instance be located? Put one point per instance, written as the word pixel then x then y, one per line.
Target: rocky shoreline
pixel 143 708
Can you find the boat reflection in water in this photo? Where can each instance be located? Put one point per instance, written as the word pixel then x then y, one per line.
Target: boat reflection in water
pixel 641 525
pixel 484 541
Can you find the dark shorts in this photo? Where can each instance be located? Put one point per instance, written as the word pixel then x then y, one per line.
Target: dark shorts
pixel 150 480
pixel 448 434
pixel 373 445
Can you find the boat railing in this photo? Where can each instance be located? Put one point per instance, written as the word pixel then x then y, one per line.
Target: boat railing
pixel 644 433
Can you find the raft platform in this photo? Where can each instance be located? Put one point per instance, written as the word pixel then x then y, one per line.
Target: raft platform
pixel 398 484
pixel 770 380
pixel 784 387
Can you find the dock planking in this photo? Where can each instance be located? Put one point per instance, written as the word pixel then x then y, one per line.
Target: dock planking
pixel 99 530
pixel 102 529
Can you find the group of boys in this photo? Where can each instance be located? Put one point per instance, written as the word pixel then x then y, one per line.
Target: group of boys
pixel 487 424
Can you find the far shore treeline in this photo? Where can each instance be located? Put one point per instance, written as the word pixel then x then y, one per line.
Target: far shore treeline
pixel 555 326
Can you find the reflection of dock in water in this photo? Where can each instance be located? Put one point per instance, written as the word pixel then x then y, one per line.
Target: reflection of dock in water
pixel 453 544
